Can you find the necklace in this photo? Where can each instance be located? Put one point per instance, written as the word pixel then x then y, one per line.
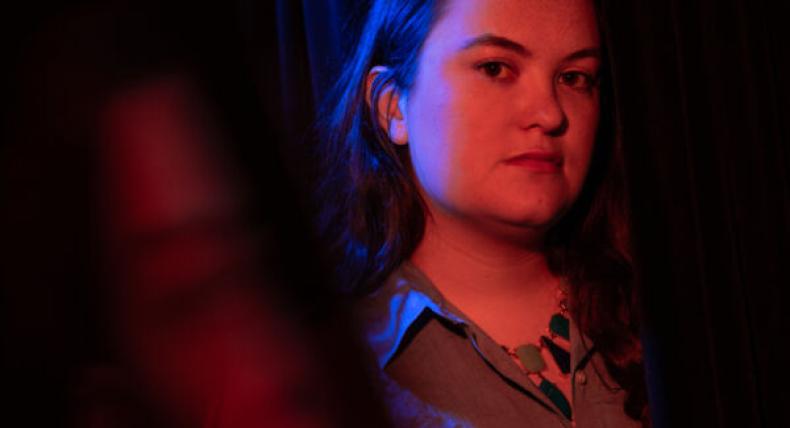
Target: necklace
pixel 529 355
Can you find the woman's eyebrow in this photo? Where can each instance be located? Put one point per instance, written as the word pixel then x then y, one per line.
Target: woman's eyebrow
pixel 591 52
pixel 489 39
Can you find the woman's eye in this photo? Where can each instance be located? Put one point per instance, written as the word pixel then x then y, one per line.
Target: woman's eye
pixel 496 70
pixel 578 80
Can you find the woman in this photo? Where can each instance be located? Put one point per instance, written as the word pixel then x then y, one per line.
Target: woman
pixel 474 201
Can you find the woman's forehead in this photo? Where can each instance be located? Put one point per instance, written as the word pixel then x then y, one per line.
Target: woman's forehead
pixel 538 25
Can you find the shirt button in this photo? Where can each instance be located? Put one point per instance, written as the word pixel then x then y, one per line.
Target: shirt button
pixel 581 378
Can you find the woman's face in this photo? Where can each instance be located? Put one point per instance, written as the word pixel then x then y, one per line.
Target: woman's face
pixel 502 115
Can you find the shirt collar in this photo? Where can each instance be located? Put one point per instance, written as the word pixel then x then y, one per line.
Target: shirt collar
pixel 389 312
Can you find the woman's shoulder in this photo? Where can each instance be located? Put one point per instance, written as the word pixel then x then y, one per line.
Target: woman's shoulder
pixel 386 314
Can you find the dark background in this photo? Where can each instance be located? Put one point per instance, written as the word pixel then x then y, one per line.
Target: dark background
pixel 703 100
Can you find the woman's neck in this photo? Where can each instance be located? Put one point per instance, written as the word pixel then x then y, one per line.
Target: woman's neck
pixel 474 260
pixel 505 286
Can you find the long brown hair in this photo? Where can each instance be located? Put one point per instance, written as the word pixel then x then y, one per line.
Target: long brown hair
pixel 372 215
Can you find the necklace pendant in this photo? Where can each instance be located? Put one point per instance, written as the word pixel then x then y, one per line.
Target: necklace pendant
pixel 561 356
pixel 560 326
pixel 530 358
pixel 557 397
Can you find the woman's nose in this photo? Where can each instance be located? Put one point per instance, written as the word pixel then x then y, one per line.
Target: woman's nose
pixel 541 108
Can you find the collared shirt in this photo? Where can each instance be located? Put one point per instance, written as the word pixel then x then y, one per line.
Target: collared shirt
pixel 439 369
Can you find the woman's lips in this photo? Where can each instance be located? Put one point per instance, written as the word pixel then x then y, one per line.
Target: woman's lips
pixel 537 161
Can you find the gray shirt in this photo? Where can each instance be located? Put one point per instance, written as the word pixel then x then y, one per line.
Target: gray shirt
pixel 439 369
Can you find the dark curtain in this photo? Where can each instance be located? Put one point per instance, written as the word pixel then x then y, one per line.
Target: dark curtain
pixel 702 98
pixel 703 103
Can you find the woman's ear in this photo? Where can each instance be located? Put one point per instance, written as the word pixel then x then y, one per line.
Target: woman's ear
pixel 391 105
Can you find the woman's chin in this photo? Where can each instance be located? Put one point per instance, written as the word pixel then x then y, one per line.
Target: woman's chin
pixel 533 216
pixel 521 229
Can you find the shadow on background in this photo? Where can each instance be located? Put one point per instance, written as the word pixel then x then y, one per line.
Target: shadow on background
pixel 158 269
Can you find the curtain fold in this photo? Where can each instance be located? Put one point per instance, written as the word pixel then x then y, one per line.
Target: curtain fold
pixel 704 109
